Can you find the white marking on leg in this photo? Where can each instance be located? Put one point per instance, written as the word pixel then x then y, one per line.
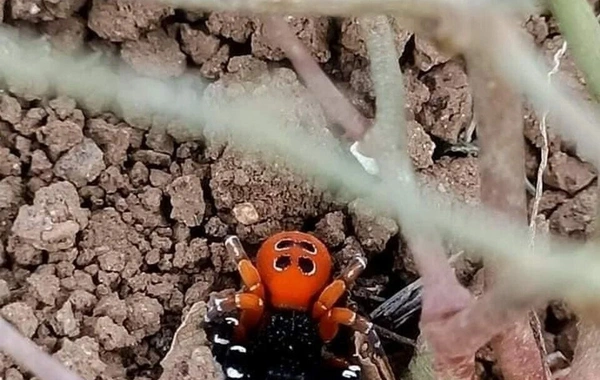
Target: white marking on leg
pixel 219 303
pixel 217 339
pixel 349 374
pixel 234 373
pixel 369 328
pixel 241 349
pixel 362 261
pixel 233 321
pixel 354 367
pixel 350 273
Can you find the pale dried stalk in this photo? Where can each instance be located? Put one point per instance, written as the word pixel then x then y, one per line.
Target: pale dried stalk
pixel 502 170
pixel 30 356
pixel 539 185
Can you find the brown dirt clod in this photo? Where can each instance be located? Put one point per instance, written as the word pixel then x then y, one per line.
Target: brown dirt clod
pixel 53 220
pixel 187 199
pixel 120 20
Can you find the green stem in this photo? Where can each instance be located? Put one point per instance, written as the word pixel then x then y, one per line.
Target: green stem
pixel 581 30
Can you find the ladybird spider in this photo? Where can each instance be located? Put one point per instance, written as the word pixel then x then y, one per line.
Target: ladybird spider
pixel 287 312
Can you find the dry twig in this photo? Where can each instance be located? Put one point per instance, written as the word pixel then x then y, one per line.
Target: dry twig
pixel 502 168
pixel 30 356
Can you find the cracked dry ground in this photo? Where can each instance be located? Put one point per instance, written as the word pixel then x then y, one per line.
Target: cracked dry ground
pixel 111 229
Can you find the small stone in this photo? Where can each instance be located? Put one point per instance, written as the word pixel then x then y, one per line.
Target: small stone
pixel 373 231
pixel 426 55
pixel 31 121
pixel 187 199
pixel 139 174
pixel 450 107
pixel 420 146
pixel 112 306
pixel 568 173
pixel 199 45
pixel 82 164
pixel 82 357
pixel 10 109
pixel 111 335
pixel 44 287
pixel 245 213
pixel 150 157
pixel 330 229
pixel 22 317
pixel 10 165
pixel 143 315
pixel 60 136
pixel 215 227
pixel 4 292
pixel 155 54
pixel 160 141
pixel 53 220
pixel 121 20
pixel 574 217
pixel 64 322
pixel 114 139
pixel 39 162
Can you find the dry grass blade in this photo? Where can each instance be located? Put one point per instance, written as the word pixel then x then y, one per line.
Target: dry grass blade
pixel 30 356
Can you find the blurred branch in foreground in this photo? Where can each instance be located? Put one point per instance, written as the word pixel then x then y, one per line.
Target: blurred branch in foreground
pixel 30 356
pixel 502 167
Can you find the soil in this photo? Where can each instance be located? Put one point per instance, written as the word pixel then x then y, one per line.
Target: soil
pixel 110 231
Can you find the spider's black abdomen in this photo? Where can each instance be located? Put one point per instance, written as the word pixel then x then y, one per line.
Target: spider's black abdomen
pixel 287 346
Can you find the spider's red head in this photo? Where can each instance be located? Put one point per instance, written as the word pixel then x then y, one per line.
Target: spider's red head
pixel 294 267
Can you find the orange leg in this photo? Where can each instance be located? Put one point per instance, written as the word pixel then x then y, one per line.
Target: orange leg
pixel 250 305
pixel 329 324
pixel 250 276
pixel 332 293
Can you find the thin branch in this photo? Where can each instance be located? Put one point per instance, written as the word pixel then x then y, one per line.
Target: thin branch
pixel 337 107
pixel 539 185
pixel 502 170
pixel 581 30
pixel 30 356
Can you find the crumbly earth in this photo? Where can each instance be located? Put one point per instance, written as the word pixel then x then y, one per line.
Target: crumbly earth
pixel 110 231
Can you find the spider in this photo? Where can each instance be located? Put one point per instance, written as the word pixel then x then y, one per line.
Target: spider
pixel 286 312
